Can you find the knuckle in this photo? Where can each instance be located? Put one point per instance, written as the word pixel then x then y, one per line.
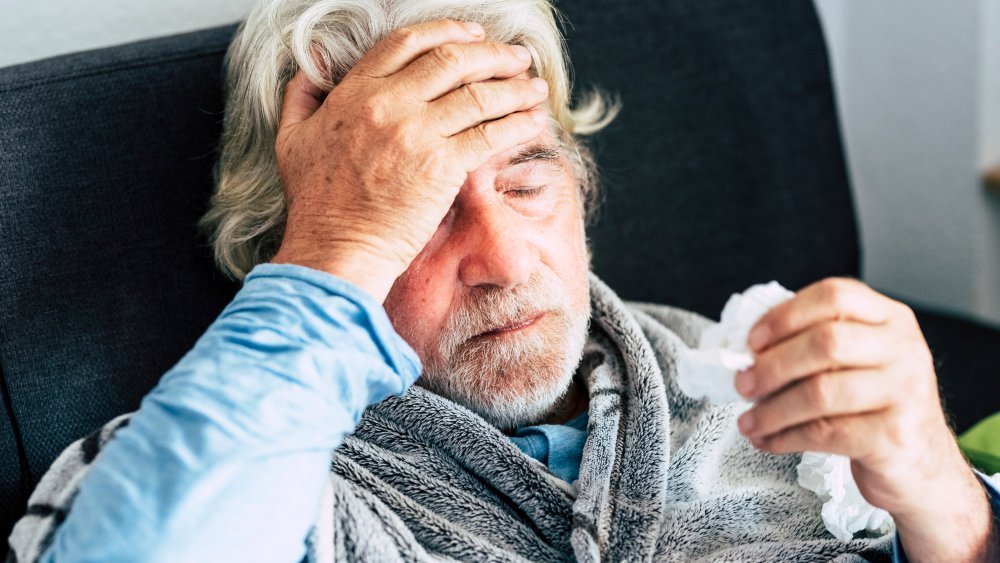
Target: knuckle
pixel 769 320
pixel 842 283
pixel 833 292
pixel 524 91
pixel 829 341
pixel 486 132
pixel 372 112
pixel 404 139
pixel 449 57
pixel 479 96
pixel 821 393
pixel 406 38
pixel 500 50
pixel 775 322
pixel 820 431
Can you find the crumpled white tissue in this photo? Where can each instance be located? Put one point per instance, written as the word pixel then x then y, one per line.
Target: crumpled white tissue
pixel 708 372
pixel 845 511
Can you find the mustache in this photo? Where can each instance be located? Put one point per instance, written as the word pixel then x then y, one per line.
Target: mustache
pixel 487 308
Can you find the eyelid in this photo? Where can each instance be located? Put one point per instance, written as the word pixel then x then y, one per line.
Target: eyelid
pixel 526 192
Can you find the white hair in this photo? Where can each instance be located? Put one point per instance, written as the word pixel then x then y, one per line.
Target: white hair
pixel 246 218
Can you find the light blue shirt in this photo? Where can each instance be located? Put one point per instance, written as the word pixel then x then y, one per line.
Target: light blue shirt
pixel 227 457
pixel 558 446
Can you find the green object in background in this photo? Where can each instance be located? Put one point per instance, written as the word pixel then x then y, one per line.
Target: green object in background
pixel 981 444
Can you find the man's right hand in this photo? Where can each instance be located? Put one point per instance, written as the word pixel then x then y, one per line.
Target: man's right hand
pixel 370 169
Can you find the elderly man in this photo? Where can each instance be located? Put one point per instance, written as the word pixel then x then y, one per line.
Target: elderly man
pixel 403 189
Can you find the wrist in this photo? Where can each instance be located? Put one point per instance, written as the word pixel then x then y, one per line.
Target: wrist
pixel 953 523
pixel 910 481
pixel 373 275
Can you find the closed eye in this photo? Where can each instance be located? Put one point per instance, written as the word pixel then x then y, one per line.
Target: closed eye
pixel 527 192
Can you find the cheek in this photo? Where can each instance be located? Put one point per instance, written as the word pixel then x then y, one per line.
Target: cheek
pixel 581 272
pixel 564 251
pixel 417 305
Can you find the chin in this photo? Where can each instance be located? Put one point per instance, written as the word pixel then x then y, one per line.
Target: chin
pixel 512 382
pixel 506 407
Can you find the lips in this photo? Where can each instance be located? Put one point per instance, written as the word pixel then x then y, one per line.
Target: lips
pixel 512 326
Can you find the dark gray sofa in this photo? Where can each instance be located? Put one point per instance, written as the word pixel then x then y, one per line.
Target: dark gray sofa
pixel 724 169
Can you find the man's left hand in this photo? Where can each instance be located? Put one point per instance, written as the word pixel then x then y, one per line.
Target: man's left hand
pixel 843 369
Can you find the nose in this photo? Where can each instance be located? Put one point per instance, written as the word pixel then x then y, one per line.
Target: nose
pixel 497 249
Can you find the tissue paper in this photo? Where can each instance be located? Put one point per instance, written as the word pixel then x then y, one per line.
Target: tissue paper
pixel 845 511
pixel 708 371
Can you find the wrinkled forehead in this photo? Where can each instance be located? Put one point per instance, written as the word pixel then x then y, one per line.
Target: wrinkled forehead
pixel 544 150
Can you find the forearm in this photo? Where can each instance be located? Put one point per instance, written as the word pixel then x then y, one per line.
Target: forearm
pixel 955 523
pixel 227 457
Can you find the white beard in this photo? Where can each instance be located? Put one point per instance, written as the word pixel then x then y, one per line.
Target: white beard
pixel 515 379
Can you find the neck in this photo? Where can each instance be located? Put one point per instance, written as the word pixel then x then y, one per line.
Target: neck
pixel 570 405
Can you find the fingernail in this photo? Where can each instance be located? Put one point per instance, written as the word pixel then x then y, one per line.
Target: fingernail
pixel 474 28
pixel 758 338
pixel 539 116
pixel 746 422
pixel 522 52
pixel 746 382
pixel 540 85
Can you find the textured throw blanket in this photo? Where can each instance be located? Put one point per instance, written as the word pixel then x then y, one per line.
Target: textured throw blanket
pixel 663 477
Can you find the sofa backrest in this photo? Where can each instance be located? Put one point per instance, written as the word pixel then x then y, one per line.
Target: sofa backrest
pixel 724 169
pixel 105 164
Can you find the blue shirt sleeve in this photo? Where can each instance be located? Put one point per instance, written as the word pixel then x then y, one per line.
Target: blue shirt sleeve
pixel 227 457
pixel 899 556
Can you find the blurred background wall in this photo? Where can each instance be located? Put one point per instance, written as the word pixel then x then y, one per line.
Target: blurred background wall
pixel 917 81
pixel 32 30
pixel 918 86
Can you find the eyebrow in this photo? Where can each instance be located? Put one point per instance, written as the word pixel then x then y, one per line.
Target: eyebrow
pixel 537 152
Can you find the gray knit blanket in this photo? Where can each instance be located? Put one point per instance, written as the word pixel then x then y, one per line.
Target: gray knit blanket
pixel 663 477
